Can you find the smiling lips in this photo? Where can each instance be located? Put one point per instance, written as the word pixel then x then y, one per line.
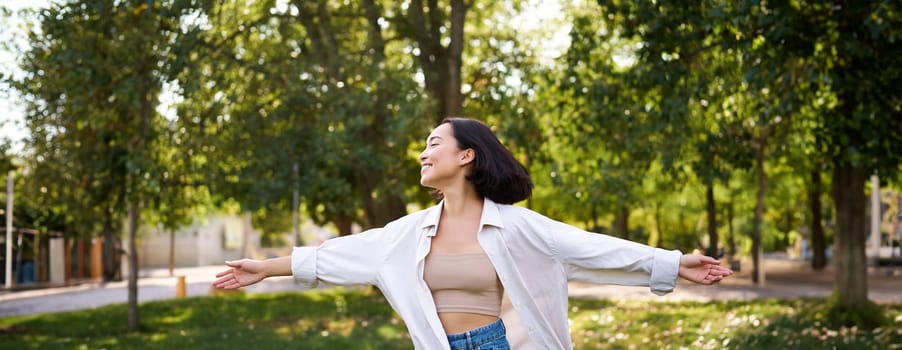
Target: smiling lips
pixel 425 166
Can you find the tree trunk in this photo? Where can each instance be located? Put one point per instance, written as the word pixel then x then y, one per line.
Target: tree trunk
pixel 594 217
pixel 315 18
pixel 658 226
pixel 454 99
pixel 380 205
pixel 133 220
pixel 389 205
pixel 110 252
pixel 850 282
pixel 731 235
pixel 136 150
pixel 894 238
pixel 440 65
pixel 713 240
pixel 818 244
pixel 295 205
pixel 343 223
pixel 757 249
pixel 622 222
pixel 171 252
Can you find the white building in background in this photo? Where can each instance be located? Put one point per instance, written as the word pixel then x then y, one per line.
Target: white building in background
pixel 213 241
pixel 209 241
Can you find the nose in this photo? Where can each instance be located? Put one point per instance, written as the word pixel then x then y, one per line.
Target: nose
pixel 423 155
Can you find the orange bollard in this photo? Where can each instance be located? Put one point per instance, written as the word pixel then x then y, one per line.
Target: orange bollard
pixel 180 287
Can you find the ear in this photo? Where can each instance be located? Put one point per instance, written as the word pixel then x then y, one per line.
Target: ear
pixel 467 156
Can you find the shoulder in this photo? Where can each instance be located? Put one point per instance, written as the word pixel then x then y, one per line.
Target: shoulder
pixel 390 236
pixel 526 230
pixel 517 215
pixel 524 221
pixel 411 222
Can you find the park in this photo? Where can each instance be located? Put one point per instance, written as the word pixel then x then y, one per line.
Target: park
pixel 145 141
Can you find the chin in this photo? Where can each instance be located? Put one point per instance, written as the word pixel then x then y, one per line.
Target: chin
pixel 426 183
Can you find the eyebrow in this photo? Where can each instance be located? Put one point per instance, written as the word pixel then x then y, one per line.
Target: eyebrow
pixel 433 138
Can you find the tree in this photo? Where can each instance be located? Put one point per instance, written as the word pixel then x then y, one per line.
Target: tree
pixel 430 24
pixel 668 101
pixel 856 52
pixel 93 76
pixel 838 57
pixel 332 103
pixel 324 75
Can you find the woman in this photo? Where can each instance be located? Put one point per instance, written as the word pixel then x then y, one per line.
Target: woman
pixel 446 269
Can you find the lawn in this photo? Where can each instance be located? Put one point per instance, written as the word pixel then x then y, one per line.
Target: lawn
pixel 361 319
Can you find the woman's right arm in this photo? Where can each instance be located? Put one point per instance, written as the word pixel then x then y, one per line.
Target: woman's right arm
pixel 347 260
pixel 246 272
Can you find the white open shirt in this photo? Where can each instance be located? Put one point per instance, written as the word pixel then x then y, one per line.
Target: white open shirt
pixel 533 255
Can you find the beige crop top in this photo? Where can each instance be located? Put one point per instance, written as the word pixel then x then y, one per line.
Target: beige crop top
pixel 463 283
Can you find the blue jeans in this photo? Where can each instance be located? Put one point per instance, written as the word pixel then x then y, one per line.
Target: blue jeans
pixel 489 337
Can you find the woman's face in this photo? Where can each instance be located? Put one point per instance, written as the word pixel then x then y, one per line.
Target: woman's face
pixel 442 160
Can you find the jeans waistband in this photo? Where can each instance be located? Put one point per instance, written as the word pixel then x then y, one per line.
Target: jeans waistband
pixel 487 333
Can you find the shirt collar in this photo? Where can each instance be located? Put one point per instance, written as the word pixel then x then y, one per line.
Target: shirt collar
pixel 490 215
pixel 432 216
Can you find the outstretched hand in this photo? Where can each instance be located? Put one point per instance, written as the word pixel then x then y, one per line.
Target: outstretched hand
pixel 242 273
pixel 702 269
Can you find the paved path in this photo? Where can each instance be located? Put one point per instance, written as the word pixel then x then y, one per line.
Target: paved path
pixel 784 279
pixel 154 284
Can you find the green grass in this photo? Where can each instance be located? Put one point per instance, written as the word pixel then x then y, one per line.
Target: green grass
pixel 333 319
pixel 758 324
pixel 361 319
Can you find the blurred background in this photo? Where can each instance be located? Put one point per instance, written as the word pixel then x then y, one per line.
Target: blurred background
pixel 179 133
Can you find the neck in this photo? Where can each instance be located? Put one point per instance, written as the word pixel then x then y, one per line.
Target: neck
pixel 462 201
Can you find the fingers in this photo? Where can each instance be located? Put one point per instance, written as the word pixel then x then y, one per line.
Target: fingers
pixel 720 271
pixel 229 282
pixel 711 279
pixel 708 274
pixel 717 273
pixel 233 284
pixel 708 260
pixel 225 279
pixel 228 279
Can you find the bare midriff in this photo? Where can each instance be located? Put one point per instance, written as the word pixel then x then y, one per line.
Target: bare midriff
pixel 459 322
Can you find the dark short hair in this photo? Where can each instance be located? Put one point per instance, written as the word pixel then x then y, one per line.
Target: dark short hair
pixel 496 174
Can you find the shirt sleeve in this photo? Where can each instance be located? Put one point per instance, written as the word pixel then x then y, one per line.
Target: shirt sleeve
pixel 347 260
pixel 598 258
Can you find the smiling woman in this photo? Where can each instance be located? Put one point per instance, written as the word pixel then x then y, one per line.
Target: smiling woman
pixel 475 271
pixel 496 174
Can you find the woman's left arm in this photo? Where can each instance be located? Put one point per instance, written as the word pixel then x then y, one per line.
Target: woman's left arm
pixel 599 258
